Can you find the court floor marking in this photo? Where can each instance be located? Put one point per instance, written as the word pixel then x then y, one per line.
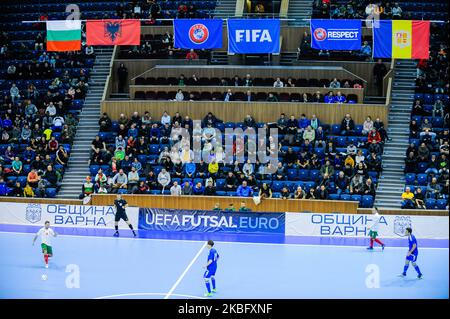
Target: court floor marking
pixel 175 285
pixel 147 294
pixel 239 242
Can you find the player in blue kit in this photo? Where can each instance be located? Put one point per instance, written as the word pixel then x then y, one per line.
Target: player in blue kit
pixel 211 267
pixel 411 256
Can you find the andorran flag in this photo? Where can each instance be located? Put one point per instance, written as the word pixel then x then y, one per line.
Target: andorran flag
pixel 113 32
pixel 64 35
pixel 401 39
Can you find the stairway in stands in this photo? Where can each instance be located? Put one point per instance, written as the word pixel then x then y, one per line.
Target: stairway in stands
pixel 78 167
pixel 390 186
pixel 225 9
pixel 300 10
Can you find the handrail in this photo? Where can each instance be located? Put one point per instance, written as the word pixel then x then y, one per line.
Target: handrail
pixel 239 9
pixel 388 93
pixel 108 81
pixel 284 8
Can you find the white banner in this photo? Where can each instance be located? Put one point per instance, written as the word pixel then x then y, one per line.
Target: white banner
pixel 355 225
pixel 60 215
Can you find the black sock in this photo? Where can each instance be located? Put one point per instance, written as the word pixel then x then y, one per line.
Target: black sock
pixel 117 228
pixel 131 226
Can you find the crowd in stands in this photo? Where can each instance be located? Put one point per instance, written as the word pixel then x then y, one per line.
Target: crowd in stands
pixel 315 160
pixel 41 94
pixel 248 95
pixel 426 163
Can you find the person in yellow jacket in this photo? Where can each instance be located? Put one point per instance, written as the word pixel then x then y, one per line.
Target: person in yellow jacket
pixel 213 168
pixel 408 199
pixel 349 160
pixel 28 191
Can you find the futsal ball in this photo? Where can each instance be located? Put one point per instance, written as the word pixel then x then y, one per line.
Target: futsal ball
pixel 44 277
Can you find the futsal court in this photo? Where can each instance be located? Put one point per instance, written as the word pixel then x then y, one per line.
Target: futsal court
pixel 171 266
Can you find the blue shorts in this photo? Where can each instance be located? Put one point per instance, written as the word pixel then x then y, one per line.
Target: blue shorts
pixel 209 273
pixel 412 258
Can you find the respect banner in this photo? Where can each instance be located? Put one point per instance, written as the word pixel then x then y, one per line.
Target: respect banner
pixel 338 35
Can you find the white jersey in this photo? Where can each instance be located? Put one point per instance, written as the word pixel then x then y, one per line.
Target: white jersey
pixel 46 235
pixel 376 221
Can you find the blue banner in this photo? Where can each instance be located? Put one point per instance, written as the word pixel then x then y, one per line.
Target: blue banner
pixel 211 221
pixel 336 35
pixel 197 34
pixel 253 36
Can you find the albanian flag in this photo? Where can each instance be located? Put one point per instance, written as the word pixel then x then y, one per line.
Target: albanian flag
pixel 113 32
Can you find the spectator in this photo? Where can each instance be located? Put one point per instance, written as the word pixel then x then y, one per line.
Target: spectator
pixel 244 207
pixel 271 98
pixel 228 96
pixel 299 193
pixel 133 180
pixel 322 192
pixel 278 83
pixel 175 190
pixel 408 199
pixel 341 183
pixel 285 193
pixel 379 71
pixel 122 75
pixel 244 190
pixel 347 125
pixel 335 84
pixel 434 189
pixel 419 199
pixel 87 189
pixel 210 189
pixel 179 96
pixel 265 191
pixel 28 191
pixel 248 80
pixel 164 178
pixel 366 50
pixel 230 208
pixel 192 55
pixel 119 181
pixel 396 12
pixel 367 126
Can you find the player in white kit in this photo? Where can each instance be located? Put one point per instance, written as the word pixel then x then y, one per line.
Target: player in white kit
pixel 46 234
pixel 373 230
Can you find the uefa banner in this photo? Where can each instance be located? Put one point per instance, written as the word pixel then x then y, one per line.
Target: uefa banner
pixel 249 36
pixel 338 35
pixel 356 225
pixel 211 221
pixel 61 215
pixel 197 33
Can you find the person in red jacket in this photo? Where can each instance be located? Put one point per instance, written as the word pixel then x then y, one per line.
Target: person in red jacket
pixel 192 55
pixel 374 136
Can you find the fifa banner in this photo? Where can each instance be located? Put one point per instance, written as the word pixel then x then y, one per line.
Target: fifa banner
pixel 336 35
pixel 253 36
pixel 113 32
pixel 401 39
pixel 355 225
pixel 60 215
pixel 197 34
pixel 211 221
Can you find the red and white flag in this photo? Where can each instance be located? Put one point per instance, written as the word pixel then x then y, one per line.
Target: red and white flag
pixel 113 32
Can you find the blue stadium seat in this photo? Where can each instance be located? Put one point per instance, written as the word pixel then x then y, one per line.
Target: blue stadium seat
pixel 277 186
pixel 441 204
pixel 93 169
pixel 333 197
pixel 335 129
pixel 367 201
pixel 303 175
pixel 292 174
pixel 221 193
pixel 50 192
pixel 314 175
pixel 356 198
pixel 422 179
pixel 345 197
pixel 422 167
pixel 220 184
pixel 410 178
pixel 430 203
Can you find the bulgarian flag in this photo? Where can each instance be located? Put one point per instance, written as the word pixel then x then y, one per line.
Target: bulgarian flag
pixel 401 39
pixel 64 35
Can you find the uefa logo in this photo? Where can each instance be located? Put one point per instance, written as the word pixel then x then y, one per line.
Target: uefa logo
pixel 198 33
pixel 320 34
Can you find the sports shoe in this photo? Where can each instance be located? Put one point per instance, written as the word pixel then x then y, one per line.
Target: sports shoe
pixel 369 248
pixel 402 275
pixel 134 233
pixel 116 234
pixel 46 265
pixel 420 276
pixel 214 290
pixel 382 247
pixel 208 294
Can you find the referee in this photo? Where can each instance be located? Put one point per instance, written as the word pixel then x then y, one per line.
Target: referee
pixel 121 204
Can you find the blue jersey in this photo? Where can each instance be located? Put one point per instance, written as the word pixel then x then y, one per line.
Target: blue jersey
pixel 412 240
pixel 213 255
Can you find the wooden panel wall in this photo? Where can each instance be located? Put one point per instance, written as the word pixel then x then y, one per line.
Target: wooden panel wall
pixel 133 88
pixel 236 111
pixel 208 202
pixel 419 212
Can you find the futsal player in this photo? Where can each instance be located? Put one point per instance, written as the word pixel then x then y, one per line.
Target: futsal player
pixel 373 230
pixel 211 267
pixel 121 204
pixel 46 233
pixel 411 256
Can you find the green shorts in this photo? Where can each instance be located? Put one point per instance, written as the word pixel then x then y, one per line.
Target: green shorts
pixel 373 234
pixel 46 248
